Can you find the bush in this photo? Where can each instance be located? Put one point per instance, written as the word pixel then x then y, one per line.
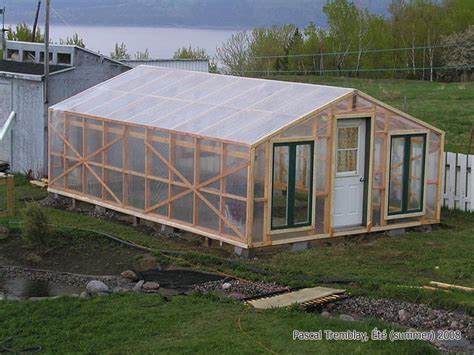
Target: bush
pixel 35 225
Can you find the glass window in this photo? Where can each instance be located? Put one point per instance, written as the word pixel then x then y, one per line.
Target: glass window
pixel 292 184
pixel 347 150
pixel 407 174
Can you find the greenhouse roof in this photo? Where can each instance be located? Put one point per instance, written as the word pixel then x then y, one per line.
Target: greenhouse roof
pixel 223 107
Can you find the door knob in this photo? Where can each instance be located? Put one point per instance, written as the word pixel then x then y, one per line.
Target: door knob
pixel 362 179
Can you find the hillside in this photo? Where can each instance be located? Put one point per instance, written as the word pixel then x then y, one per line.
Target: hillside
pixel 181 13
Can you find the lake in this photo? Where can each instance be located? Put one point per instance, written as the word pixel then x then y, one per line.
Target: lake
pixel 161 42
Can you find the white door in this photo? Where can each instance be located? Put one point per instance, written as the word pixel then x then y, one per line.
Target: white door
pixel 350 173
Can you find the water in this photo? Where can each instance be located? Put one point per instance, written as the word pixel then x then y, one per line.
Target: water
pixel 161 42
pixel 24 288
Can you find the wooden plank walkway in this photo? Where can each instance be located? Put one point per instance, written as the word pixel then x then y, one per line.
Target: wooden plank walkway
pixel 302 296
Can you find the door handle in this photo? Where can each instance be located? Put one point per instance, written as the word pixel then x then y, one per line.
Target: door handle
pixel 362 179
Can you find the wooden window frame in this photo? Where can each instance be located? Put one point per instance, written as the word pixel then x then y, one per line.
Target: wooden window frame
pixel 405 212
pixel 291 225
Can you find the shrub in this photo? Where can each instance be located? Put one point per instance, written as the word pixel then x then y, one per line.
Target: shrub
pixel 35 225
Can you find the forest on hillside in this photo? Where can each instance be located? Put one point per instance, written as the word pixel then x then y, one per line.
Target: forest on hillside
pixel 420 39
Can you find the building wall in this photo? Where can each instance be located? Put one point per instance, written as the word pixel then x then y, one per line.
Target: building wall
pixel 184 64
pixel 320 128
pixel 90 69
pixel 25 97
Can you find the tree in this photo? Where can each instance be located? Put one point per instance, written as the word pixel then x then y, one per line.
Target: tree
pixel 75 40
pixel 234 54
pixel 460 54
pixel 342 17
pixel 191 53
pixel 120 52
pixel 145 55
pixel 24 33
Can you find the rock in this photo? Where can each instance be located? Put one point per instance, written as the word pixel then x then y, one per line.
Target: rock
pixel 4 232
pixel 455 325
pixel 84 294
pixel 403 315
pixel 150 286
pixel 346 317
pixel 96 286
pixel 325 314
pixel 436 267
pixel 2 296
pixel 138 286
pixel 37 298
pixel 129 274
pixel 119 289
pixel 226 286
pixel 13 298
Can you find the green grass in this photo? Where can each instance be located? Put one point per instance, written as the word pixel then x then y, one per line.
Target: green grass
pixel 193 324
pixel 448 106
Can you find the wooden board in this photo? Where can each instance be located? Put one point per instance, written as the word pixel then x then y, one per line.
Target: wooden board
pixel 295 297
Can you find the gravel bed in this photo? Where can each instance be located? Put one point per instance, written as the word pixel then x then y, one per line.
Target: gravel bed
pixel 240 289
pixel 410 315
pixel 56 277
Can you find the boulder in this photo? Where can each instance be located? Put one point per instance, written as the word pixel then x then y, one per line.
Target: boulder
pixel 325 314
pixel 150 286
pixel 138 286
pixel 346 317
pixel 403 315
pixel 95 286
pixel 226 286
pixel 84 294
pixel 129 274
pixel 119 289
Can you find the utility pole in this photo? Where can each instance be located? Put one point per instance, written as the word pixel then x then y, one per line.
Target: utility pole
pixel 46 52
pixel 2 12
pixel 46 82
pixel 33 37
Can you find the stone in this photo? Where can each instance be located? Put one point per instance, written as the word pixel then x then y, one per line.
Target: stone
pixel 346 317
pixel 84 294
pixel 455 325
pixel 244 253
pixel 4 232
pixel 150 286
pixel 325 314
pixel 129 274
pixel 403 315
pixel 138 286
pixel 2 296
pixel 119 289
pixel 12 298
pixel 299 246
pixel 226 285
pixel 96 286
pixel 396 232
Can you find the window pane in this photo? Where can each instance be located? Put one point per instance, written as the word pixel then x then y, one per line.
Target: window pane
pixel 347 161
pixel 396 175
pixel 280 186
pixel 347 137
pixel 303 184
pixel 415 181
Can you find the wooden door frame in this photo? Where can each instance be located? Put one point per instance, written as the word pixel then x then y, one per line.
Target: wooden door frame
pixel 370 137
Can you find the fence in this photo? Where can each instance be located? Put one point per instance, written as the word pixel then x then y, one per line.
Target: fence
pixel 458 181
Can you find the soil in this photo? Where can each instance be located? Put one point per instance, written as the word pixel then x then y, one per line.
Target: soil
pixel 81 254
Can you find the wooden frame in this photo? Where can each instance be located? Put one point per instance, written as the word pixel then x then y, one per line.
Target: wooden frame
pixel 368 193
pixel 291 191
pixel 406 133
pixel 8 181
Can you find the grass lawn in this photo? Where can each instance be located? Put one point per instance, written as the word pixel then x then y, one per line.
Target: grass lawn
pixel 194 324
pixel 448 106
pixel 386 267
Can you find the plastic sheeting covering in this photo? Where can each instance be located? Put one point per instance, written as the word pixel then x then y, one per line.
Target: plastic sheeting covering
pixel 196 182
pixel 218 106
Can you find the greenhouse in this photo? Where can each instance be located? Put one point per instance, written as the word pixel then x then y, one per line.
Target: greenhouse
pixel 249 162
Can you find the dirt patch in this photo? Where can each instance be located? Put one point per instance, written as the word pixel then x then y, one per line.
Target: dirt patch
pixel 75 253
